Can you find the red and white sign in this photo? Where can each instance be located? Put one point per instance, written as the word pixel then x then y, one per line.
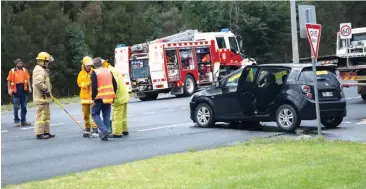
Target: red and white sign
pixel 313 32
pixel 345 29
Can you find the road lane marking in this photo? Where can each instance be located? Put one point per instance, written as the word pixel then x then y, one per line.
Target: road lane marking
pixel 168 110
pixel 25 128
pixel 362 122
pixel 4 131
pixel 353 97
pixel 184 108
pixel 168 126
pixel 55 124
pixel 145 113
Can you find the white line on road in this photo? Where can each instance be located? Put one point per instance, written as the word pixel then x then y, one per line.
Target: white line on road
pixel 362 122
pixel 145 113
pixel 25 128
pixel 168 110
pixel 57 124
pixel 168 126
pixel 4 131
pixel 353 97
pixel 185 108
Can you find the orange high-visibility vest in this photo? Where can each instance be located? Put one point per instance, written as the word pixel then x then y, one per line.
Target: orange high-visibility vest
pixel 105 85
pixel 13 81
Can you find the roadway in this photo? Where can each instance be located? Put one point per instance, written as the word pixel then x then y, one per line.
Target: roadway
pixel 156 128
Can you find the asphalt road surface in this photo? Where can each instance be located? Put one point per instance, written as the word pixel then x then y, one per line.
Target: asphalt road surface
pixel 156 128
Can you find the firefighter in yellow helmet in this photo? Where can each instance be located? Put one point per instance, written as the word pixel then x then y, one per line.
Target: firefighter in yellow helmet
pixel 41 96
pixel 84 82
pixel 119 111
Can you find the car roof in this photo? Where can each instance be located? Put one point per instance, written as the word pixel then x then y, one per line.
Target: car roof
pixel 291 65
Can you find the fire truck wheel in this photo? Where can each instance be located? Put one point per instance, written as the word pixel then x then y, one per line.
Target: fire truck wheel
pixel 150 96
pixel 189 86
pixel 363 96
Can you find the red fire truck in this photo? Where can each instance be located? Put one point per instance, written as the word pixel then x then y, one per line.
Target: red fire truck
pixel 179 64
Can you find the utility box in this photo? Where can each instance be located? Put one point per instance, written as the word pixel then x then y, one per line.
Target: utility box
pixel 307 14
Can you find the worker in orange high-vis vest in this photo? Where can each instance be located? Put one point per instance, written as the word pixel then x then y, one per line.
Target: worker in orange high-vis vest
pixel 18 87
pixel 84 83
pixel 104 87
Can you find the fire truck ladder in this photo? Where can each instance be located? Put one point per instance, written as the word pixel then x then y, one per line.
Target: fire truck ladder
pixel 187 35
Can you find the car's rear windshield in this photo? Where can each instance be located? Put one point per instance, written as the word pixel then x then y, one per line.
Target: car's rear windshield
pixel 321 75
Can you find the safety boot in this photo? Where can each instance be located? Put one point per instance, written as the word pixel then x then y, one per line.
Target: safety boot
pixel 95 130
pixel 50 135
pixel 42 136
pixel 125 133
pixel 26 124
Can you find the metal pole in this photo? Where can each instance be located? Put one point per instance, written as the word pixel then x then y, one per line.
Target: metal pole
pixel 295 47
pixel 316 96
pixel 347 56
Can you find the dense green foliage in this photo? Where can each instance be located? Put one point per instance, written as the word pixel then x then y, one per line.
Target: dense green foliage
pixel 70 30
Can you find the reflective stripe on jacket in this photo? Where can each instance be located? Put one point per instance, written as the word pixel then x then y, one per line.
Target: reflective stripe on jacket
pixel 122 95
pixel 84 82
pixel 104 85
pixel 13 81
pixel 41 83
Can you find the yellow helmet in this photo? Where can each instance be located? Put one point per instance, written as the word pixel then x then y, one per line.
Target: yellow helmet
pixel 88 61
pixel 43 56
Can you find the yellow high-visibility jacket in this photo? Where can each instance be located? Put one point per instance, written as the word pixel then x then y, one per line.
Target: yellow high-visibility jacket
pixel 122 95
pixel 84 83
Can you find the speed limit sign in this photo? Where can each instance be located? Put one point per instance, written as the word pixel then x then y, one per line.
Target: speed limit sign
pixel 345 31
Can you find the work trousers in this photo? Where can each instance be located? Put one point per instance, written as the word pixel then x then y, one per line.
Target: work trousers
pixel 119 119
pixel 88 122
pixel 43 116
pixel 20 102
pixel 103 125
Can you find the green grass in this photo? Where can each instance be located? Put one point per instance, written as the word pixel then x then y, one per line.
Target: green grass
pixel 267 163
pixel 68 100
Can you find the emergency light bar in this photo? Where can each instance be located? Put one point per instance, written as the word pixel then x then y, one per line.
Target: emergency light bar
pixel 121 45
pixel 225 30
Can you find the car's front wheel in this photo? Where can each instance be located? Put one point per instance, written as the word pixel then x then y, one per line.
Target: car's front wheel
pixel 331 122
pixel 204 115
pixel 287 118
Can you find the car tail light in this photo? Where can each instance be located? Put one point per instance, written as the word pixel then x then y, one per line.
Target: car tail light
pixel 306 89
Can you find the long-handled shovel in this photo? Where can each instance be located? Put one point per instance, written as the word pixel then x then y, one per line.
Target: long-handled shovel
pixel 85 133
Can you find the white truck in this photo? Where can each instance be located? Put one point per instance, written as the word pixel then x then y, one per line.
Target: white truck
pixel 350 59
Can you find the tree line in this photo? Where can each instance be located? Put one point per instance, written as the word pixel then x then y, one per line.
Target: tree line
pixel 70 30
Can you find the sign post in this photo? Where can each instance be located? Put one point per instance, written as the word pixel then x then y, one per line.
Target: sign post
pixel 345 29
pixel 313 32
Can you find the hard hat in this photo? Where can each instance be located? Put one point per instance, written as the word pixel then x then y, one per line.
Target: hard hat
pixel 43 56
pixel 87 60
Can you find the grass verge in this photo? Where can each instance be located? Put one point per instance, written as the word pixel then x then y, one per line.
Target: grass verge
pixel 68 100
pixel 264 163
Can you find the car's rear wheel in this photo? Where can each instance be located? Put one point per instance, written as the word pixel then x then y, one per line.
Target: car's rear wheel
pixel 331 122
pixel 287 118
pixel 363 96
pixel 204 115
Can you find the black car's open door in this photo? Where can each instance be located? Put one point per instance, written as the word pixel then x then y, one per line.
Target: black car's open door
pixel 246 90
